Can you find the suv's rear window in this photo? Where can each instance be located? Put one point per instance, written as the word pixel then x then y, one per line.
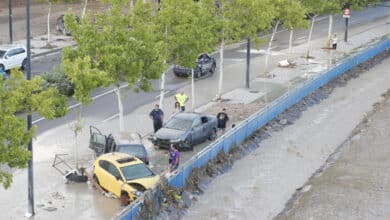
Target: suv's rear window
pixel 136 150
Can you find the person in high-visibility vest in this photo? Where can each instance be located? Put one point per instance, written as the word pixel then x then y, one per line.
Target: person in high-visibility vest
pixel 181 98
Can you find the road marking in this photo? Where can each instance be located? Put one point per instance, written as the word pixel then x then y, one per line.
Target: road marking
pixel 166 92
pixel 301 38
pixel 38 120
pixel 110 118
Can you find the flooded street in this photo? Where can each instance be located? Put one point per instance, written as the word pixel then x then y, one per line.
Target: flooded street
pixel 259 185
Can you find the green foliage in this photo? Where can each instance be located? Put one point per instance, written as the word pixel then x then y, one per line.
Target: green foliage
pixel 113 46
pixel 248 18
pixel 188 28
pixel 291 14
pixel 20 95
pixel 59 80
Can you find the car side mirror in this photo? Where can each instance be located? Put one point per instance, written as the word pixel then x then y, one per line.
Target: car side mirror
pixel 118 178
pixel 6 57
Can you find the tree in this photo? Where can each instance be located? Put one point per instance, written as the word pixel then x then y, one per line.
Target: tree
pixel 289 13
pixel 314 8
pixel 18 95
pixel 249 18
pixel 51 2
pixel 187 29
pixel 336 6
pixel 117 46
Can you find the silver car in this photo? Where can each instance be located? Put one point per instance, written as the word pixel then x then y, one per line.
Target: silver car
pixel 186 130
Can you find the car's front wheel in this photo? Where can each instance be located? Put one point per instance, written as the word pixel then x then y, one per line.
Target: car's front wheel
pixel 125 199
pixel 187 144
pixel 213 134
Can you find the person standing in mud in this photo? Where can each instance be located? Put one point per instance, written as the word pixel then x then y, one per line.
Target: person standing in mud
pixel 222 118
pixel 174 158
pixel 157 115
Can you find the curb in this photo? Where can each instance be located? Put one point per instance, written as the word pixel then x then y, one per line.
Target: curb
pixel 51 51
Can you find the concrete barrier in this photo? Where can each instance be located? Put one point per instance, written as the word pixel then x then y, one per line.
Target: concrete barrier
pixel 238 134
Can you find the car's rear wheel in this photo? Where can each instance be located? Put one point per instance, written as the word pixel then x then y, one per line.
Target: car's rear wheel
pixel 95 179
pixel 212 69
pixel 125 199
pixel 24 64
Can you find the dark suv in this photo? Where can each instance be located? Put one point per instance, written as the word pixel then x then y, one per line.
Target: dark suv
pixel 206 65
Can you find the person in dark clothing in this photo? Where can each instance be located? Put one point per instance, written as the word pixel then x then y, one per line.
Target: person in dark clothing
pixel 222 118
pixel 157 115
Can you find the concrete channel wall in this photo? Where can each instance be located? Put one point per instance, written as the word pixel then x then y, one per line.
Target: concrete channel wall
pixel 238 134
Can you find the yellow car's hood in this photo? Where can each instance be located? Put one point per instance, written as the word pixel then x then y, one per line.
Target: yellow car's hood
pixel 147 182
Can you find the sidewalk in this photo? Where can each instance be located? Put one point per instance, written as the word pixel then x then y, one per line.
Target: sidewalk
pixel 83 202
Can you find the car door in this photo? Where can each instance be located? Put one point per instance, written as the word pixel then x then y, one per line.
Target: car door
pixel 196 131
pixel 110 178
pixel 8 57
pixel 20 56
pixel 97 141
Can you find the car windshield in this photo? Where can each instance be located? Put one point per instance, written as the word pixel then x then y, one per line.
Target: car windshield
pixel 179 124
pixel 136 171
pixel 2 52
pixel 136 150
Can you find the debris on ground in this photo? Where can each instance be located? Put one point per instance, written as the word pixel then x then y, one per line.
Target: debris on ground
pixel 287 63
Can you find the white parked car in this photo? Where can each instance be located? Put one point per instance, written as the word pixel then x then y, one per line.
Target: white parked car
pixel 12 56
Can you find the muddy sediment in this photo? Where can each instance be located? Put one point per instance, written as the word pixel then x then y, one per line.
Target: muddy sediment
pixel 341 168
pixel 171 203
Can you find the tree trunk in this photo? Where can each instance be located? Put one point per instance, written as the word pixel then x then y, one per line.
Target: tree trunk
pixel 266 71
pixel 48 24
pixel 162 86
pixel 193 90
pixel 309 38
pixel 219 94
pixel 290 44
pixel 120 108
pixel 84 9
pixel 329 31
pixel 248 57
pixel 162 90
pixel 76 130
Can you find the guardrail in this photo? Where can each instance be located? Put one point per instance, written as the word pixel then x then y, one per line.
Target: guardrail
pixel 246 128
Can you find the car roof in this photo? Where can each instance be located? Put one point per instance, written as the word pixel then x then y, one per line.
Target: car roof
pixel 125 138
pixel 10 46
pixel 187 115
pixel 115 156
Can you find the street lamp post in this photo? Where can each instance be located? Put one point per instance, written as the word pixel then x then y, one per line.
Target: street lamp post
pixel 30 208
pixel 10 21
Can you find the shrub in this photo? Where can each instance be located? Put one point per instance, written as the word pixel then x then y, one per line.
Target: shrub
pixel 58 79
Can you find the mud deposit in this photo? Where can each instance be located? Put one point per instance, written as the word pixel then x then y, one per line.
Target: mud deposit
pixel 345 173
pixel 171 203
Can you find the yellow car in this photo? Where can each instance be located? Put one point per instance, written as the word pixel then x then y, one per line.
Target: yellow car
pixel 125 176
